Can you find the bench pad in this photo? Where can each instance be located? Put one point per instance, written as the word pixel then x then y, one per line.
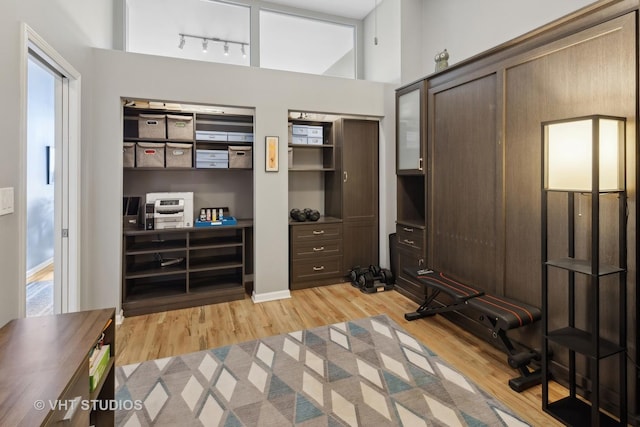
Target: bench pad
pixel 508 313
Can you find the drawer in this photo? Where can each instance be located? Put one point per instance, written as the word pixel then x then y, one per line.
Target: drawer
pixel 315 232
pixel 77 391
pixel 410 237
pixel 316 269
pixel 316 249
pixel 410 258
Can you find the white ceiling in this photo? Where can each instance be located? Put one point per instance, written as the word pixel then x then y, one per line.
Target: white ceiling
pixel 354 9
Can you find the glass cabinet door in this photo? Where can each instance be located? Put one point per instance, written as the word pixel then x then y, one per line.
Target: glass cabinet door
pixel 409 130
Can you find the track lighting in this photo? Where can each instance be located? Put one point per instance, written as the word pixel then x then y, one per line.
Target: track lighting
pixel 206 40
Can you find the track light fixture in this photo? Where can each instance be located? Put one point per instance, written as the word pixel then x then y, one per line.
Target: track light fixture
pixel 206 40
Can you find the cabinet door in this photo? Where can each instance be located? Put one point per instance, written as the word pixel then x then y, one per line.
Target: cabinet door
pixel 360 192
pixel 409 113
pixel 360 170
pixel 360 244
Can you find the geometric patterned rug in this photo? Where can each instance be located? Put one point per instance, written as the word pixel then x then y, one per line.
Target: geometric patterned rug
pixel 365 372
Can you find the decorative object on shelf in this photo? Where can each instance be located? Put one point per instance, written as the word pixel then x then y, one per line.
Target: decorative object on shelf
pixel 442 60
pixel 306 214
pixel 271 153
pixel 585 157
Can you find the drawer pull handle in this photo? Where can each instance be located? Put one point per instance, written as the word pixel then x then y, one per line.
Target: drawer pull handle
pixel 420 163
pixel 316 232
pixel 318 268
pixel 71 412
pixel 321 248
pixel 409 242
pixel 408 230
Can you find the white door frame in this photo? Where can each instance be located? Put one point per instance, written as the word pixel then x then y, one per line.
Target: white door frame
pixel 67 206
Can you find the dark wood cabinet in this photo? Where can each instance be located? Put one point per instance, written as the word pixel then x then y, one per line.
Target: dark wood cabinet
pixel 210 267
pixel 205 150
pixel 410 130
pixel 478 198
pixel 347 234
pixel 411 161
pixel 44 370
pixel 315 253
pixel 354 190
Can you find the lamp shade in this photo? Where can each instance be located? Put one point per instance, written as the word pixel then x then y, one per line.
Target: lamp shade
pixel 577 150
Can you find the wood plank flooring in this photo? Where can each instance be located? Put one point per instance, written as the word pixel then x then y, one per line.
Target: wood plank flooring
pixel 176 332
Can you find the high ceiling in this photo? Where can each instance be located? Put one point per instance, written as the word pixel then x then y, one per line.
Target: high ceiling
pixel 354 9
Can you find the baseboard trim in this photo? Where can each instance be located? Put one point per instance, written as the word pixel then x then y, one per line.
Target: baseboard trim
pixel 270 296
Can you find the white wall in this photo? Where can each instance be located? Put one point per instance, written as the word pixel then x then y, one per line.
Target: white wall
pixel 70 26
pixel 382 61
pixel 272 93
pixel 468 27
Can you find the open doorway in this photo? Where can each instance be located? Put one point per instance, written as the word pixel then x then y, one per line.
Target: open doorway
pixel 44 102
pixel 50 232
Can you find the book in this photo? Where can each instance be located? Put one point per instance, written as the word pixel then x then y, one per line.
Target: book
pixel 97 365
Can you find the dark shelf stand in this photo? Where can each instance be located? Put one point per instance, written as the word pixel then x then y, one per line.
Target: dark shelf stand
pixel 573 409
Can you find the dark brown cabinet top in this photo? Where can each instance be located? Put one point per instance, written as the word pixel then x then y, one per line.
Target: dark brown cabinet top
pixel 39 356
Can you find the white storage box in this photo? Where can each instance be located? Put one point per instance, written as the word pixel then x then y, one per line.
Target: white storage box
pixel 239 137
pixel 152 126
pixel 290 153
pixel 220 164
pixel 296 139
pixel 179 155
pixel 128 154
pixel 314 141
pixel 150 155
pixel 240 157
pixel 209 135
pixel 179 127
pixel 300 130
pixel 212 155
pixel 315 131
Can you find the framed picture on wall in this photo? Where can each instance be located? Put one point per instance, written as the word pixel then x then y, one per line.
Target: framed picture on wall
pixel 271 153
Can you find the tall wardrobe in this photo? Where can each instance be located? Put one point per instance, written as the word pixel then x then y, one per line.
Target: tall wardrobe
pixel 478 192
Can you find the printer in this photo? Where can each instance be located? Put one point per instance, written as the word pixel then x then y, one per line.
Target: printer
pixel 171 210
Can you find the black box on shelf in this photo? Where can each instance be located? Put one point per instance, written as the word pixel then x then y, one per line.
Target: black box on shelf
pixel 130 212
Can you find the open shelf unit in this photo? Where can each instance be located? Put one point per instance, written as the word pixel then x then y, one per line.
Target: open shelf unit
pixel 211 267
pixel 306 157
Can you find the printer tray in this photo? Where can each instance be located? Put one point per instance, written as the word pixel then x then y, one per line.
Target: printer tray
pixel 227 220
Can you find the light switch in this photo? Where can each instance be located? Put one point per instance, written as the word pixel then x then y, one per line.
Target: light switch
pixel 6 200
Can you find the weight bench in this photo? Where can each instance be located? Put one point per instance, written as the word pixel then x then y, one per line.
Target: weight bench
pixel 499 313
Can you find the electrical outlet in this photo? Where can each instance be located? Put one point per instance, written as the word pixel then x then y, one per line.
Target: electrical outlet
pixel 6 201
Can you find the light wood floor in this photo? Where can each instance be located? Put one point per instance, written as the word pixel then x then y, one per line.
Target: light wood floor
pixel 171 333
